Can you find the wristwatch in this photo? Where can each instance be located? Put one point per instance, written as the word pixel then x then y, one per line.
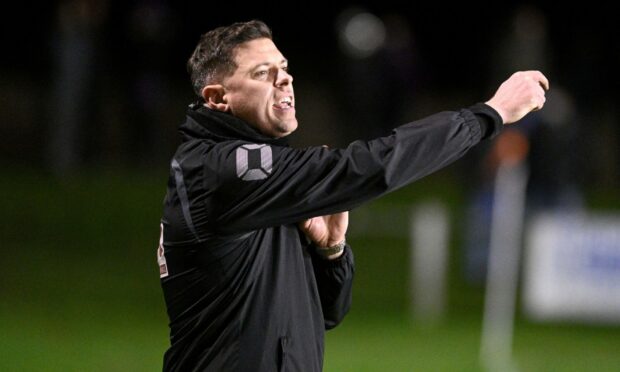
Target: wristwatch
pixel 334 249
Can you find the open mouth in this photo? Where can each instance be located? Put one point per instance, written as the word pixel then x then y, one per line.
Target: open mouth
pixel 284 103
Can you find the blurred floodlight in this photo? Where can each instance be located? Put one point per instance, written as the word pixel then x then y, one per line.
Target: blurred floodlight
pixel 361 33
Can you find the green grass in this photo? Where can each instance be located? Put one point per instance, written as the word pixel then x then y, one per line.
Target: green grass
pixel 391 342
pixel 80 290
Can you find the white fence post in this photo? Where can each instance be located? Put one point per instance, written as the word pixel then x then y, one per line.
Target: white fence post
pixel 428 255
pixel 503 268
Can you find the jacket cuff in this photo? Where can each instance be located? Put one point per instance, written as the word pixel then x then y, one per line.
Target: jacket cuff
pixel 491 123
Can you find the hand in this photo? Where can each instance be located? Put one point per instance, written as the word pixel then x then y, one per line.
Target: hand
pixel 326 231
pixel 522 93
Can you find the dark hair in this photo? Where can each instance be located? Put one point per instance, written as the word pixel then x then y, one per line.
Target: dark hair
pixel 213 58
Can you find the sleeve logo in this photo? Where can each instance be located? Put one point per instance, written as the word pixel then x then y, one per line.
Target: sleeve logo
pixel 254 162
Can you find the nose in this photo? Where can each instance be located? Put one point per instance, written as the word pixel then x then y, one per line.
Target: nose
pixel 283 78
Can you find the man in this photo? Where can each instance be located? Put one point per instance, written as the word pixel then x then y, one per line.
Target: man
pixel 251 272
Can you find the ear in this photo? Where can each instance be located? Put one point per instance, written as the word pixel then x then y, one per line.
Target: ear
pixel 214 97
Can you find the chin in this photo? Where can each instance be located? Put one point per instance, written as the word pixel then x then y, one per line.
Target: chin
pixel 284 129
pixel 291 129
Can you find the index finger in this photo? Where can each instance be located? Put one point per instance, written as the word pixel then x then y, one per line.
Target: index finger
pixel 542 79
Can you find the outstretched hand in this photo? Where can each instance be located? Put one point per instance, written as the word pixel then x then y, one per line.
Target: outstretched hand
pixel 522 93
pixel 326 231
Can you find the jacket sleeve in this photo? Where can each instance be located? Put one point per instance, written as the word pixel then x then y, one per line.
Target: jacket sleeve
pixel 334 280
pixel 259 186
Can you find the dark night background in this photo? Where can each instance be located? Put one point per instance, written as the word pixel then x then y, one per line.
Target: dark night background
pixel 455 45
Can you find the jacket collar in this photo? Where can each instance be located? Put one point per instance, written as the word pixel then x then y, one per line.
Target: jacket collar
pixel 203 122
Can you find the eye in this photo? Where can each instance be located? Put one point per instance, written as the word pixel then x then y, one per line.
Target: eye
pixel 261 74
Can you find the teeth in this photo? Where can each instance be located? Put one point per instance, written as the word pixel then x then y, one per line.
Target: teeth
pixel 284 103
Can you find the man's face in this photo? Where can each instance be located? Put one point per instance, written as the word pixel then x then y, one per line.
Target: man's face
pixel 260 91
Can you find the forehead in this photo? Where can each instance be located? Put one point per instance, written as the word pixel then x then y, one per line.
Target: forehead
pixel 258 51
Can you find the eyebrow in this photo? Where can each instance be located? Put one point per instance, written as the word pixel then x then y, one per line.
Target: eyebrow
pixel 283 61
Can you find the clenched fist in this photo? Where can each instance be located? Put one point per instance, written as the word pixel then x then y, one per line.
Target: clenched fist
pixel 521 94
pixel 326 231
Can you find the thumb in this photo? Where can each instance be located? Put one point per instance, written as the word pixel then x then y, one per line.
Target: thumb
pixel 305 224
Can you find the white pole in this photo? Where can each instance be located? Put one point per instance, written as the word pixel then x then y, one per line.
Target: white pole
pixel 428 260
pixel 503 268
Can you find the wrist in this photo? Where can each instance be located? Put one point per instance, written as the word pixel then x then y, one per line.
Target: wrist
pixel 332 252
pixel 497 108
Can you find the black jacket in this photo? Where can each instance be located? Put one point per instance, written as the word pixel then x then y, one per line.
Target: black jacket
pixel 244 289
